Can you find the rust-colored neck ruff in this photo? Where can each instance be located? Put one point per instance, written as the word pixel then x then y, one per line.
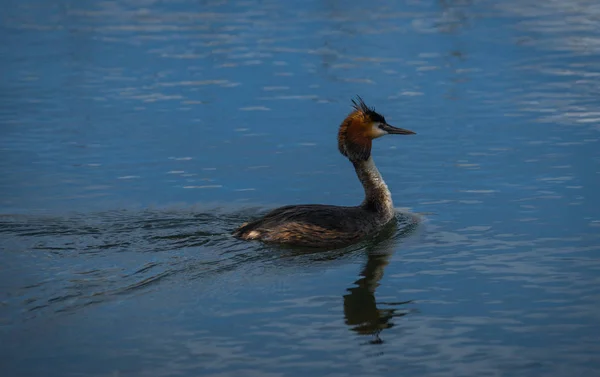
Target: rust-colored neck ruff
pixel 353 141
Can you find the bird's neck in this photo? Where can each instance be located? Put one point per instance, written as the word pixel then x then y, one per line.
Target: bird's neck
pixel 377 195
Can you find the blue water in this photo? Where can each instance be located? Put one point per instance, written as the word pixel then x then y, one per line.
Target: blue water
pixel 135 135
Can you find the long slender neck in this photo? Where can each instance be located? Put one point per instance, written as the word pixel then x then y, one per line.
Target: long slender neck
pixel 377 195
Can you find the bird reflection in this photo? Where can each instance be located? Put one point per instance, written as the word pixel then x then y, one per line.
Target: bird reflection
pixel 362 312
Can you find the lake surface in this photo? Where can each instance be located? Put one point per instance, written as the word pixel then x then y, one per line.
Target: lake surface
pixel 136 134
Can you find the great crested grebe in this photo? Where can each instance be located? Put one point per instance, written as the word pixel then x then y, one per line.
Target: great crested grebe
pixel 318 225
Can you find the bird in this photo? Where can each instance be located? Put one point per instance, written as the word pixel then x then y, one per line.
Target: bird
pixel 324 226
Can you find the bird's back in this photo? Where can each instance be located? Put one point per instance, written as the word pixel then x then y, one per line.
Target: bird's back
pixel 312 225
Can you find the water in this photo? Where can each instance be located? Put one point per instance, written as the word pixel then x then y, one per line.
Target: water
pixel 135 135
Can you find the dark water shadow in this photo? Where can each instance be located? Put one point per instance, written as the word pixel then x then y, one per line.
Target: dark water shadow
pixel 61 263
pixel 362 312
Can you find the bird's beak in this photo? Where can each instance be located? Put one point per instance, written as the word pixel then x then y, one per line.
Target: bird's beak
pixel 396 130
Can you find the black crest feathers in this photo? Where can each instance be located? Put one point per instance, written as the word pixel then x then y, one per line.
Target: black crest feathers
pixel 359 105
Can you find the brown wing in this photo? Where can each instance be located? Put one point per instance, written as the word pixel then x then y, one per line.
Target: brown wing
pixel 310 225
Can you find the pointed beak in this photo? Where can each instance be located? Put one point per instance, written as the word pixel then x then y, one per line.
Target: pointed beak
pixel 396 130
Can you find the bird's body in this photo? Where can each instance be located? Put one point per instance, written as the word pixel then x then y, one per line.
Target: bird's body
pixel 317 225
